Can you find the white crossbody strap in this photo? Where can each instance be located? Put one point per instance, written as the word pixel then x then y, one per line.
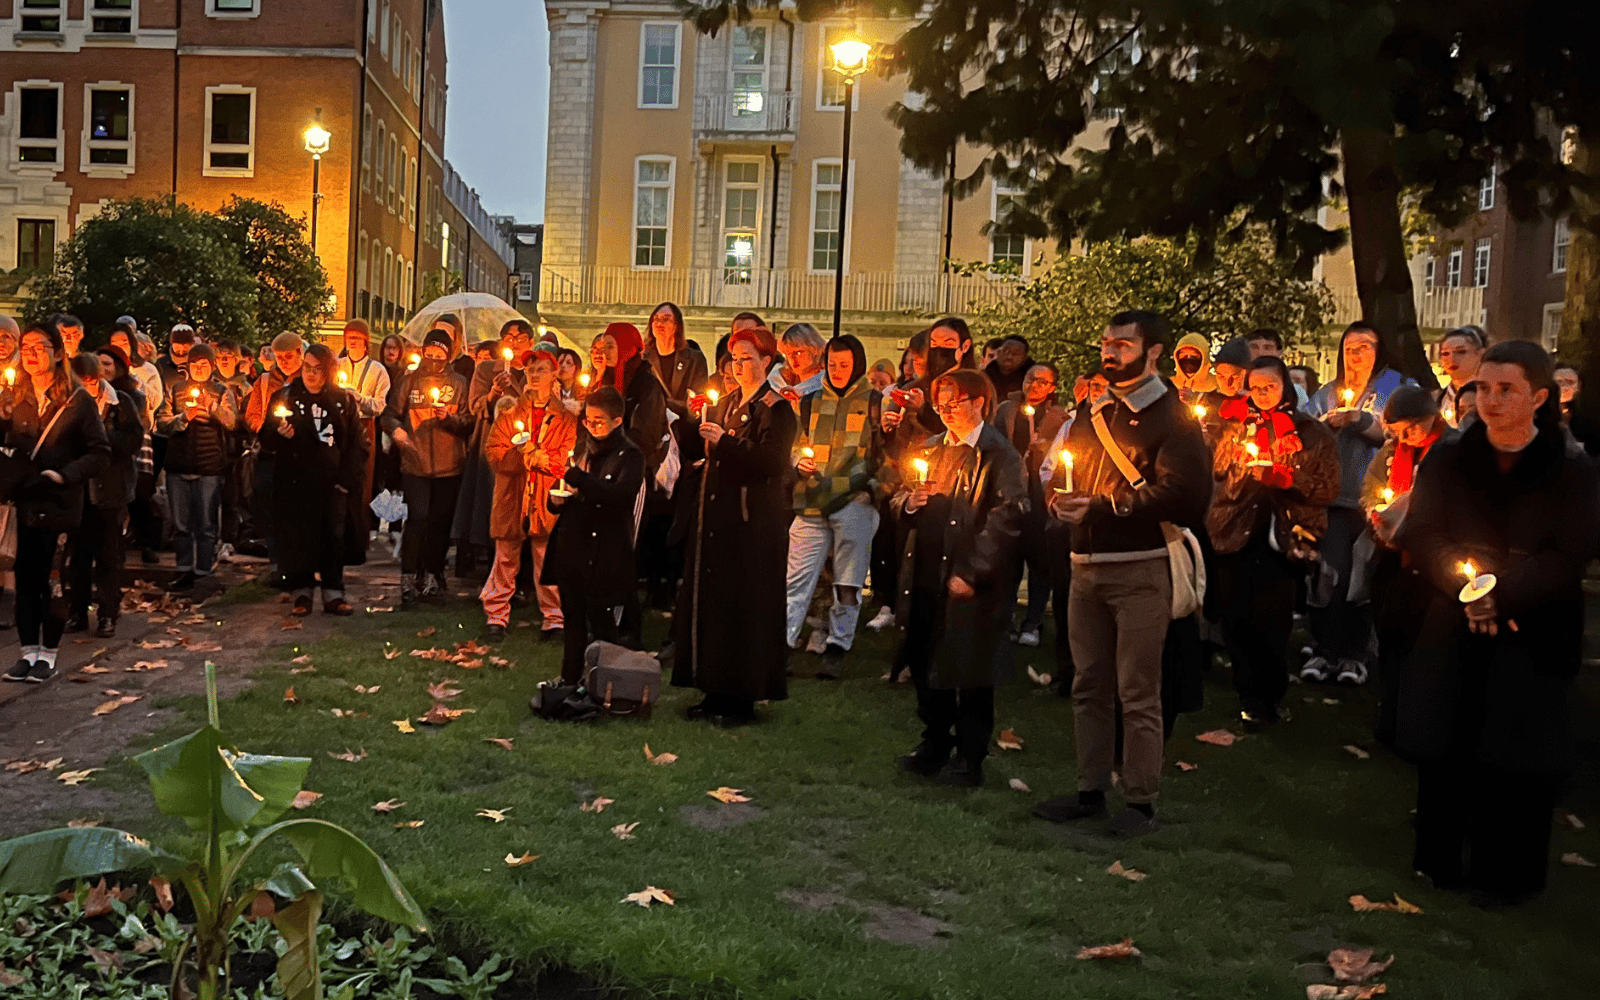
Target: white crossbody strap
pixel 1118 457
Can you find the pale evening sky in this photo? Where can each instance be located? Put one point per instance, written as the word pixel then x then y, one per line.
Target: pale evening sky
pixel 499 72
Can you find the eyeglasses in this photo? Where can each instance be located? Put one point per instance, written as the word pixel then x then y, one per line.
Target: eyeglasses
pixel 1047 382
pixel 596 423
pixel 953 405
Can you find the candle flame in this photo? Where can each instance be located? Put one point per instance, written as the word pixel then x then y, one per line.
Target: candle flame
pixel 434 392
pixel 1253 449
pixel 808 452
pixel 1349 396
pixel 583 379
pixel 520 425
pixel 1199 411
pixel 711 394
pixel 11 376
pixel 1388 495
pixel 922 466
pixel 1468 570
pixel 281 411
pixel 1449 415
pixel 1028 410
pixel 506 354
pixel 343 378
pixel 195 393
pixel 1066 458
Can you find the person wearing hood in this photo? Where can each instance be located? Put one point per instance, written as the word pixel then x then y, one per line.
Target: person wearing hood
pixel 1010 366
pixel 1192 367
pixel 1351 405
pixel 429 422
pixel 198 416
pixel 1030 419
pixel 838 456
pixel 1275 479
pixel 287 350
pixel 1223 409
pixel 94 563
pixel 618 359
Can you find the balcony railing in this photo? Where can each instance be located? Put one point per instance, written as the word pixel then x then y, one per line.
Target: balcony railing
pixel 764 113
pixel 864 291
pixel 1437 308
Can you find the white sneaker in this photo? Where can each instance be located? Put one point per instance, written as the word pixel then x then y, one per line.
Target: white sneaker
pixel 817 642
pixel 225 553
pixel 1352 672
pixel 1316 669
pixel 882 620
pixel 1028 637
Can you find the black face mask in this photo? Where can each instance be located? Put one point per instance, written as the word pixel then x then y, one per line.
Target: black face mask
pixel 1189 364
pixel 431 366
pixel 940 360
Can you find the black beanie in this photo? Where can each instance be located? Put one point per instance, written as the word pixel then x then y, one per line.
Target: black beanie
pixel 1409 402
pixel 1235 352
pixel 440 337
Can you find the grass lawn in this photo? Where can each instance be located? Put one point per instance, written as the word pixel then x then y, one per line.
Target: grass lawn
pixel 844 879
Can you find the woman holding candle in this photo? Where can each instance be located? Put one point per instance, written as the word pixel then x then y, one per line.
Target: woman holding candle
pixel 197 416
pixel 729 622
pixel 496 377
pixel 1485 700
pixel 1266 515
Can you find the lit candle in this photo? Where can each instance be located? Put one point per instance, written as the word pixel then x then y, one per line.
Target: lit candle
pixel 808 452
pixel 416 359
pixel 1253 450
pixel 194 396
pixel 434 392
pixel 711 396
pixel 11 376
pixel 521 426
pixel 1388 495
pixel 583 380
pixel 521 437
pixel 1028 410
pixel 1478 584
pixel 1199 411
pixel 507 355
pixel 344 377
pixel 921 465
pixel 281 412
pixel 1066 465
pixel 1349 397
pixel 1449 415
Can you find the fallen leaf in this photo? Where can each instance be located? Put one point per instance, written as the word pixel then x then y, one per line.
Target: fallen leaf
pixel 498 815
pixel 1324 992
pixel 728 795
pixel 404 725
pixel 103 650
pixel 624 831
pixel 205 647
pixel 439 714
pixel 387 806
pixel 1018 785
pixel 289 624
pixel 391 654
pixel 660 758
pixel 1359 753
pixel 443 691
pixel 289 697
pixel 155 644
pixel 470 664
pixel 471 648
pixel 1362 904
pixel 1217 738
pixel 1008 740
pixel 163 890
pixel 512 861
pixel 343 713
pixel 649 894
pixel 1122 949
pixel 1571 820
pixel 501 741
pixel 301 660
pixel 75 777
pixel 429 631
pixel 144 665
pixel 1131 874
pixel 597 806
pixel 1043 680
pixel 360 689
pixel 348 756
pixel 92 669
pixel 305 799
pixel 1576 859
pixel 378 611
pixel 409 824
pixel 500 661
pixel 107 707
pixel 1184 765
pixel 98 902
pixel 108 961
pixel 12 978
pixel 1355 965
pixel 82 824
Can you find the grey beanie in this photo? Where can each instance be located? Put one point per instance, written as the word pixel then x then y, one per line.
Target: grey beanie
pixel 1235 352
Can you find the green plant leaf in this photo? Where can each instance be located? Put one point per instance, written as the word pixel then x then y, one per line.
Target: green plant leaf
pixel 288 882
pixel 299 976
pixel 330 850
pixel 196 774
pixel 37 863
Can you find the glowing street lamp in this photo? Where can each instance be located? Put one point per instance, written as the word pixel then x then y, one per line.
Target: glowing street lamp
pixel 318 140
pixel 849 61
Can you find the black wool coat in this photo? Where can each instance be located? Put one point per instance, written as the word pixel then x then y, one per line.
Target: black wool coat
pixel 328 450
pixel 729 628
pixel 76 448
pixel 1501 701
pixel 591 545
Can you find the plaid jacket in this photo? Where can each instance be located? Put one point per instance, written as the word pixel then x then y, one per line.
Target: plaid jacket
pixel 845 433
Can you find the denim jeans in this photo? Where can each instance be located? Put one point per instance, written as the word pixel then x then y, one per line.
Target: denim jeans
pixel 846 536
pixel 196 513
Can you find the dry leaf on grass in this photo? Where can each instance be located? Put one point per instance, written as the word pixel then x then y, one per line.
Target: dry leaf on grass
pixel 205 647
pixel 1184 765
pixel 409 824
pixel 1362 904
pixel 500 661
pixel 471 648
pixel 1355 965
pixel 92 669
pixel 75 777
pixel 658 758
pixel 597 806
pixel 387 806
pixel 144 665
pixel 391 654
pixel 1122 949
pixel 1217 738
pixel 512 861
pixel 1018 785
pixel 81 823
pixel 348 756
pixel 378 611
pixel 289 697
pixel 1008 740
pixel 1576 859
pixel 1043 680
pixel 289 624
pixel 12 978
pixel 304 670
pixel 29 766
pixel 498 815
pixel 302 660
pixel 443 691
pixel 1324 992
pixel 502 742
pixel 346 713
pixel 624 831
pixel 727 795
pixel 1131 874
pixel 155 643
pixel 465 664
pixel 431 630
pixel 1356 751
pixel 404 725
pixel 650 894
pixel 440 714
pixel 305 799
pixel 1571 820
pixel 98 902
pixel 107 707
pixel 363 689
pixel 163 890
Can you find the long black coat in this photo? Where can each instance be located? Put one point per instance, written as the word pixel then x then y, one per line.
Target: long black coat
pixel 592 540
pixel 328 450
pixel 76 448
pixel 729 624
pixel 1500 701
pixel 980 501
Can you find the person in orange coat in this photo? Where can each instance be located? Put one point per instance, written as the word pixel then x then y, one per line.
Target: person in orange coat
pixel 528 449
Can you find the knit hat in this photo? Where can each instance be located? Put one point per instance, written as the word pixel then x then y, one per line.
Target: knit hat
pixel 1235 352
pixel 360 328
pixel 440 336
pixel 1409 402
pixel 287 342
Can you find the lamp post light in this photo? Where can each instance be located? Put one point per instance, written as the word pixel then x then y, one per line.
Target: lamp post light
pixel 317 141
pixel 849 61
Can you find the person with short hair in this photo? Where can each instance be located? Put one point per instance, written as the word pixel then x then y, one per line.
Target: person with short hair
pixel 1460 352
pixel 1010 367
pixel 198 415
pixel 94 561
pixel 801 373
pixel 1030 419
pixel 1306 381
pixel 71 328
pixel 744 321
pixel 286 357
pixel 991 350
pixel 1265 343
pixel 174 363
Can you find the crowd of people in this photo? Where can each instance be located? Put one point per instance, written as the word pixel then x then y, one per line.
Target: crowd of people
pixel 1434 539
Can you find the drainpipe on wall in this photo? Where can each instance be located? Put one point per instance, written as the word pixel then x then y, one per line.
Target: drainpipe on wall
pixel 177 98
pixel 353 273
pixel 422 152
pixel 949 226
pixel 790 110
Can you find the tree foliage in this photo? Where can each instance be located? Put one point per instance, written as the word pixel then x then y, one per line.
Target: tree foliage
pixel 1242 288
pixel 241 273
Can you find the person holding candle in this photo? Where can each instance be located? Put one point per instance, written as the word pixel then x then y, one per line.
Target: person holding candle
pixel 1266 516
pixel 1225 409
pixel 197 416
pixel 681 367
pixel 1191 373
pixel 1486 698
pixel 94 559
pixel 1460 352
pixel 49 421
pixel 429 422
pixel 319 447
pixel 1008 371
pixel 528 448
pixel 287 351
pixel 175 363
pixel 964 520
pixel 494 378
pixel 1341 629
pixel 728 624
pixel 1030 418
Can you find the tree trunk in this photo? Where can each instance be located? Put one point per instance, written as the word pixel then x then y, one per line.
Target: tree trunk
pixel 1383 277
pixel 1580 317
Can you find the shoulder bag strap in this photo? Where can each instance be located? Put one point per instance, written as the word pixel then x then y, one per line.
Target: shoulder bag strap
pixel 51 425
pixel 1118 457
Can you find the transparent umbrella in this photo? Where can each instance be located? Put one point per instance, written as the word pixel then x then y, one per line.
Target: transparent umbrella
pixel 481 314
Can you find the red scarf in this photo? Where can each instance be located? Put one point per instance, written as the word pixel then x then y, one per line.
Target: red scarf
pixel 1404 465
pixel 1274 425
pixel 629 345
pixel 1236 408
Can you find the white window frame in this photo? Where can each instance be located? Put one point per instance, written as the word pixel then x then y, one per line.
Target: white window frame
pixel 59 11
pixel 1550 324
pixel 403 71
pixel 677 62
pixel 396 56
pixel 235 15
pixel 633 236
pixel 408 287
pixel 36 167
pixel 825 71
pixel 1430 270
pixel 366 147
pixel 1482 257
pixel 525 286
pixel 1453 268
pixel 395 181
pixel 361 262
pixel 996 192
pixel 411 203
pixel 416 75
pixel 131 13
pixel 758 228
pixel 88 142
pixel 385 25
pixel 844 220
pixel 380 149
pixel 1486 188
pixel 372 20
pixel 1562 244
pixel 249 148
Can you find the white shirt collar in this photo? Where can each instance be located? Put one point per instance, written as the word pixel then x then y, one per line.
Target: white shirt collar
pixel 971 440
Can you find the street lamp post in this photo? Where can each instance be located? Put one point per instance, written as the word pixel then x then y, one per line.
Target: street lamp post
pixel 849 61
pixel 317 141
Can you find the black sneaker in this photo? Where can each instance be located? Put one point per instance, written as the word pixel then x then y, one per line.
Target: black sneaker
pixel 41 672
pixel 832 667
pixel 493 633
pixel 551 635
pixel 106 628
pixel 1130 822
pixel 19 672
pixel 184 583
pixel 149 557
pixel 77 623
pixel 924 761
pixel 1068 808
pixel 960 773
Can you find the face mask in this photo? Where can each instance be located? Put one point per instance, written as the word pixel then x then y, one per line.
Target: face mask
pixel 1188 364
pixel 940 360
pixel 431 366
